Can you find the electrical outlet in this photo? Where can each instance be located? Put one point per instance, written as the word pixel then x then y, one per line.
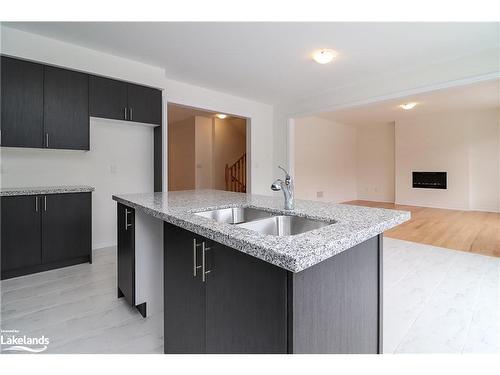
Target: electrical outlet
pixel 319 194
pixel 113 169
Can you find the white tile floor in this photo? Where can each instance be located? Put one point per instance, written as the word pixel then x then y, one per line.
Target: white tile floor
pixel 435 300
pixel 440 301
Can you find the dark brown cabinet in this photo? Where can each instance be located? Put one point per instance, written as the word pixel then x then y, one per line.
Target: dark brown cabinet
pixel 66 224
pixel 108 98
pixel 66 109
pixel 42 232
pixel 219 300
pixel 21 232
pixel 21 103
pixel 144 104
pixel 126 253
pixel 124 101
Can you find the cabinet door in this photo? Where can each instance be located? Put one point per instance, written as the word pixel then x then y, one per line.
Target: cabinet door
pixel 66 109
pixel 66 226
pixel 126 252
pixel 145 104
pixel 108 98
pixel 184 293
pixel 246 303
pixel 21 232
pixel 22 103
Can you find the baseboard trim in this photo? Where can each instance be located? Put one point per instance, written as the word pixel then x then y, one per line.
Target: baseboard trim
pixel 447 207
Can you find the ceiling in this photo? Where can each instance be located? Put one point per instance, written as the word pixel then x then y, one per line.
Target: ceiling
pixel 482 95
pixel 271 62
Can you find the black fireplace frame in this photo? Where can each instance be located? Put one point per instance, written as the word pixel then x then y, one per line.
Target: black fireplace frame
pixel 430 180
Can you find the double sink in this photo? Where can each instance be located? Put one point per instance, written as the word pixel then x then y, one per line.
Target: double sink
pixel 264 222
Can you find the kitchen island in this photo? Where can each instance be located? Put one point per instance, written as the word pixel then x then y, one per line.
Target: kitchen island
pixel 236 273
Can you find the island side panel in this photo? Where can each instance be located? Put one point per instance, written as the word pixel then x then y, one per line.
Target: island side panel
pixel 336 304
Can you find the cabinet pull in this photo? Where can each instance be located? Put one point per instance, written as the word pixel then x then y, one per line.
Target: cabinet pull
pixel 36 204
pixel 125 112
pixel 47 139
pixel 204 272
pixel 130 109
pixel 195 265
pixel 126 219
pixel 45 203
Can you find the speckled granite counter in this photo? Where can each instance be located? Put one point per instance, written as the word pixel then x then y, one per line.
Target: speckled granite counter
pixel 295 253
pixel 4 192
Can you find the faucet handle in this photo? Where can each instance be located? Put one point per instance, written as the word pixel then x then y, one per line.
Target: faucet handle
pixel 287 176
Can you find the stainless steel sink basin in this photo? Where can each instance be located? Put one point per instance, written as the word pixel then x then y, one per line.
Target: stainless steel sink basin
pixel 235 215
pixel 285 225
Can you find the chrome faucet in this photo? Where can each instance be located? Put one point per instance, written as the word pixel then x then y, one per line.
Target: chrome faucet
pixel 287 188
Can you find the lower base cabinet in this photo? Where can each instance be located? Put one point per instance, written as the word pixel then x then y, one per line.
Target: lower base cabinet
pixel 43 232
pixel 220 300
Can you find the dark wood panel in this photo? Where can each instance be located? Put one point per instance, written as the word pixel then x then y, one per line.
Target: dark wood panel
pixel 336 303
pixel 22 103
pixel 246 303
pixel 184 294
pixel 145 104
pixel 158 172
pixel 108 98
pixel 126 252
pixel 66 226
pixel 66 109
pixel 21 233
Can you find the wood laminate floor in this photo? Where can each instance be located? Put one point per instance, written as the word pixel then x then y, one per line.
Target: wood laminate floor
pixel 472 231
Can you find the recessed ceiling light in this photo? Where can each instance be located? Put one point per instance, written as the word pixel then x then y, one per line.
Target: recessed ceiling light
pixel 324 56
pixel 222 116
pixel 408 106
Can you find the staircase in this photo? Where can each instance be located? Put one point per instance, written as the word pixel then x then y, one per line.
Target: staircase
pixel 236 175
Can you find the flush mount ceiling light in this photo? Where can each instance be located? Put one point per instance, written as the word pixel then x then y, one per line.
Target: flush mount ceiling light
pixel 222 116
pixel 408 106
pixel 324 56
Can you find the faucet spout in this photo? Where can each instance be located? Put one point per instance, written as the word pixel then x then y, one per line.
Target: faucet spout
pixel 287 187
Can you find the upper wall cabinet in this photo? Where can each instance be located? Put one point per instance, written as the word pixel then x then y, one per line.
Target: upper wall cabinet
pixel 144 104
pixel 48 107
pixel 66 109
pixel 124 101
pixel 22 103
pixel 108 98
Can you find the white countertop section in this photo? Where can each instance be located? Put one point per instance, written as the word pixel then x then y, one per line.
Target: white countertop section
pixel 35 190
pixel 353 225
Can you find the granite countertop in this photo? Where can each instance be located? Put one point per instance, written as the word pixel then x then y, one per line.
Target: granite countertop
pixel 4 192
pixel 353 225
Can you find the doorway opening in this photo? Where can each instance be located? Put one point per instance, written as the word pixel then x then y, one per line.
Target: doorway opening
pixel 206 150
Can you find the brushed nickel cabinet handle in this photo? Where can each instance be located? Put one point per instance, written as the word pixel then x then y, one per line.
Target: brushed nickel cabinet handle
pixel 127 225
pixel 47 139
pixel 45 203
pixel 130 114
pixel 195 265
pixel 125 112
pixel 204 271
pixel 36 204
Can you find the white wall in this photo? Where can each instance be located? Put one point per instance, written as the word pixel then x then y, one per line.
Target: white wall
pixel 464 144
pixel 46 50
pixel 120 161
pixel 375 162
pixel 203 152
pixel 325 160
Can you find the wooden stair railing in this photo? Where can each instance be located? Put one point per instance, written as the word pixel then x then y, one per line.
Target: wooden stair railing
pixel 236 175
